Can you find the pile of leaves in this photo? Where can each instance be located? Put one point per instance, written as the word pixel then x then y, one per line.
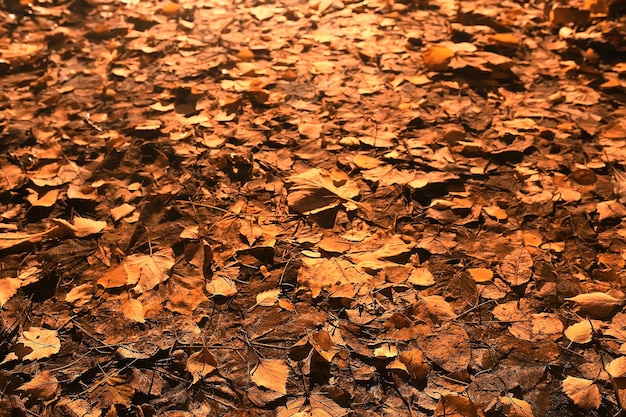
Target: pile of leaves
pixel 312 208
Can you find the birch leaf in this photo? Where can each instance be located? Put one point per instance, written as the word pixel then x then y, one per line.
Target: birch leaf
pixel 583 392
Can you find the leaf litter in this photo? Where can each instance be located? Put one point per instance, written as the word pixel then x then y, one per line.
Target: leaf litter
pixel 317 208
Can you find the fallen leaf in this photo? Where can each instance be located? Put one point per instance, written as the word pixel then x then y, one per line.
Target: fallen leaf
pixel 481 275
pixel 43 386
pixel 272 374
pixel 148 271
pixel 82 227
pixel 8 288
pixel 514 407
pixel 516 267
pixel 597 304
pixel 133 310
pixel 80 295
pixel 222 286
pixel 617 367
pixel 39 343
pixel 415 362
pixel 583 392
pixel 581 332
pixel 200 364
pixel 268 298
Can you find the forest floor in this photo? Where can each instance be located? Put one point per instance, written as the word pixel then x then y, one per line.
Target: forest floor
pixel 312 208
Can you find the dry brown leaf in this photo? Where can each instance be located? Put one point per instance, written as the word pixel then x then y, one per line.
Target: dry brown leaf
pixel 481 275
pixel 37 343
pixel 617 367
pixel 415 362
pixel 437 58
pixel 82 227
pixel 10 239
pixel 421 277
pixel 8 288
pixel 324 345
pixel 581 332
pixel 386 350
pixel 43 386
pixel 437 306
pixel 132 309
pixel 80 295
pixel 148 271
pixel 452 405
pixel 200 364
pixel 272 374
pixel 583 392
pixel 315 190
pixel 47 199
pixel 114 278
pixel 222 286
pixel 268 298
pixel 514 407
pixel 597 304
pixel 516 267
pixel 121 211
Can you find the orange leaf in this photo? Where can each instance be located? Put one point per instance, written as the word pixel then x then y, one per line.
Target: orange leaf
pixel 272 374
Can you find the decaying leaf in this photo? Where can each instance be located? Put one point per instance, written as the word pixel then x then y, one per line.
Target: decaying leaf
pixel 597 304
pixel 583 392
pixel 516 267
pixel 272 374
pixel 82 227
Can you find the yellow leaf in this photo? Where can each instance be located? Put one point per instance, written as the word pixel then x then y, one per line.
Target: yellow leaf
pixel 148 271
pixel 200 364
pixel 583 392
pixel 272 374
pixel 386 350
pixel 496 212
pixel 114 278
pixel 366 162
pixel 597 304
pixel 580 332
pixel 46 200
pixel 121 211
pixel 42 343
